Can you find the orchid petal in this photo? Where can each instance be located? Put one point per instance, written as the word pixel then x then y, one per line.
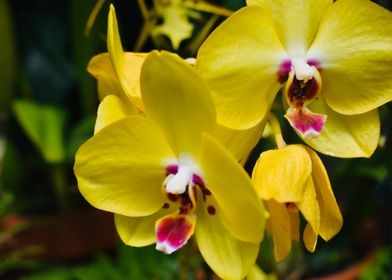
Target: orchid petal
pixel 295 225
pixel 310 238
pixel 282 174
pixel 100 67
pixel 331 220
pixel 280 227
pixel 228 257
pixel 240 62
pixel 240 142
pixel 345 136
pixel 297 21
pixel 241 211
pixel 112 109
pixel 311 211
pixel 354 46
pixel 139 231
pixel 178 100
pixel 127 66
pixel 122 167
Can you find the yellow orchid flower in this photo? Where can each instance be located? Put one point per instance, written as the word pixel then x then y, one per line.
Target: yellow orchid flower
pixel 333 60
pixel 172 19
pixel 165 177
pixel 118 75
pixel 292 179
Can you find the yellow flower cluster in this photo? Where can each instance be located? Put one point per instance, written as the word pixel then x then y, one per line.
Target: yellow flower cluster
pixel 170 135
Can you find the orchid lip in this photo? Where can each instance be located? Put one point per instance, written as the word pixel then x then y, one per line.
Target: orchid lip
pixel 307 123
pixel 173 232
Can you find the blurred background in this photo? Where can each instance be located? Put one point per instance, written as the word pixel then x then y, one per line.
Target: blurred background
pixel 48 106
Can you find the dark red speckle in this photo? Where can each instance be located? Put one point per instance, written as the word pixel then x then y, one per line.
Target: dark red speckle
pixel 211 210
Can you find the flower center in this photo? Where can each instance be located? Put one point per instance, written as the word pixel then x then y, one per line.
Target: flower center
pixel 303 71
pixel 303 85
pixel 182 185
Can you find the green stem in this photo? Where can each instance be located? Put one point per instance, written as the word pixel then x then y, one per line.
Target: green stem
pixel 60 187
pixel 277 131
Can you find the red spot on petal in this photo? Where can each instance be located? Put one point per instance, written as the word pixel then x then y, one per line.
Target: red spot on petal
pixel 211 210
pixel 173 232
pixel 165 206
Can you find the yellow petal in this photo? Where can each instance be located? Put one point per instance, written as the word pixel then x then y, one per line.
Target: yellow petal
pixel 331 220
pixel 176 25
pixel 240 62
pixel 242 213
pixel 112 109
pixel 100 67
pixel 345 136
pixel 295 225
pixel 121 168
pixel 126 66
pixel 310 210
pixel 228 257
pixel 296 21
pixel 280 227
pixel 354 46
pixel 310 238
pixel 240 142
pixel 282 174
pixel 138 231
pixel 178 100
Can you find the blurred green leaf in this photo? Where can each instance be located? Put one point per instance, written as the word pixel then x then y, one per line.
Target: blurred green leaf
pixel 7 55
pixel 44 125
pixel 130 263
pixel 380 267
pixel 11 168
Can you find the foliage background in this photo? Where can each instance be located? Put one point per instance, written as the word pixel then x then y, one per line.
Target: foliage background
pixel 47 109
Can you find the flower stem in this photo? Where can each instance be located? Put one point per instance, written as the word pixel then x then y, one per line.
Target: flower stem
pixel 60 186
pixel 277 131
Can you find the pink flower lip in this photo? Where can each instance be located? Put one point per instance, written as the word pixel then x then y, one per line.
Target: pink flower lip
pixel 173 232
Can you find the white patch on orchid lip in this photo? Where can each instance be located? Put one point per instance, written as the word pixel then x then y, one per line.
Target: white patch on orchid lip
pixel 303 71
pixel 165 247
pixel 177 183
